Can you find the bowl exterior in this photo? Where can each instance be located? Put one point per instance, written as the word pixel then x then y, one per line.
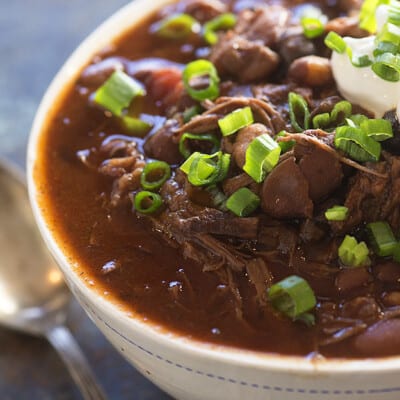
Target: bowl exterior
pixel 186 369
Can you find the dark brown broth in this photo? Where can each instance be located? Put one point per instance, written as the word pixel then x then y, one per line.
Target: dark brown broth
pixel 147 268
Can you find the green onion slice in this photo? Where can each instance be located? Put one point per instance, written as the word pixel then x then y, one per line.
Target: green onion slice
pixel 312 27
pixel 356 120
pixel 336 213
pixel 284 145
pixel 183 147
pixel 262 155
pixel 335 42
pixel 117 93
pixel 367 14
pixel 196 73
pixel 135 126
pixel 321 121
pixel 299 112
pixel 377 129
pixel 292 296
pixel 382 238
pixel 206 169
pixel 154 175
pixel 387 67
pixel 352 253
pixel 358 61
pixel 177 26
pixel 357 144
pixel 340 112
pixel 218 197
pixel 394 13
pixel 243 202
pixel 385 47
pixel 390 33
pixel 338 116
pixel 147 202
pixel 396 253
pixel 222 22
pixel 191 112
pixel 236 120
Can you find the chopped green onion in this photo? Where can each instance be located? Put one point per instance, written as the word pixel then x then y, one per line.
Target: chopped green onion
pixel 312 27
pixel 200 70
pixel 352 253
pixel 284 145
pixel 356 120
pixel 385 47
pixel 377 129
pixel 387 67
pixel 243 202
pixel 262 155
pixel 154 175
pixel 351 123
pixel 390 33
pixel 357 60
pixel 218 197
pixel 396 253
pixel 340 112
pixel 177 26
pixel 236 120
pixel 135 126
pixel 147 202
pixel 335 42
pixel 336 213
pixel 117 93
pixel 206 169
pixel 191 112
pixel 367 14
pixel 183 147
pixel 307 319
pixel 394 13
pixel 321 121
pixel 357 144
pixel 362 61
pixel 299 112
pixel 222 22
pixel 292 296
pixel 382 238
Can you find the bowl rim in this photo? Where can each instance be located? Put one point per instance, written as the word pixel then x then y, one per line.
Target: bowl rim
pixel 124 19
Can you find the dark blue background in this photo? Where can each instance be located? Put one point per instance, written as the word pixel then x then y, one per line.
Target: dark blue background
pixel 36 36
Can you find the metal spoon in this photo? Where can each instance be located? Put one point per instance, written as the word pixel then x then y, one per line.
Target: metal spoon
pixel 33 295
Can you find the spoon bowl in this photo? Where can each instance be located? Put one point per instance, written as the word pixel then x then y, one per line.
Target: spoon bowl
pixel 33 295
pixel 32 291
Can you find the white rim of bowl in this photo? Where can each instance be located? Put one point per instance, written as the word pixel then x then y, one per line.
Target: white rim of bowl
pixel 127 17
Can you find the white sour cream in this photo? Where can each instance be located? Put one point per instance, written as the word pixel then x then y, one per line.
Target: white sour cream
pixel 361 85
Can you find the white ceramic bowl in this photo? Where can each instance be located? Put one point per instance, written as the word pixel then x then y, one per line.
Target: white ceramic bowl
pixel 184 368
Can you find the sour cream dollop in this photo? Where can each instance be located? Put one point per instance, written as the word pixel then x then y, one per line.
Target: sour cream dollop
pixel 361 85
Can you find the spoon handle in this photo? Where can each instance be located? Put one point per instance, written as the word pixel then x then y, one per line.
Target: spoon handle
pixel 68 349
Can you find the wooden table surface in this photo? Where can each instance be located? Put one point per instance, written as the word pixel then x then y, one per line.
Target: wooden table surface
pixel 36 36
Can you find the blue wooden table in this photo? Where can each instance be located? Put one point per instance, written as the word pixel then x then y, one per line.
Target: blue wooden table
pixel 36 36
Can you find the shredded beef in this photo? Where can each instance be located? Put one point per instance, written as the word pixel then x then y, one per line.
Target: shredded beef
pixel 261 277
pixel 373 198
pixel 124 163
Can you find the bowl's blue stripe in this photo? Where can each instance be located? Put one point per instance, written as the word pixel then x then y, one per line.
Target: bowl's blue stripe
pixel 244 383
